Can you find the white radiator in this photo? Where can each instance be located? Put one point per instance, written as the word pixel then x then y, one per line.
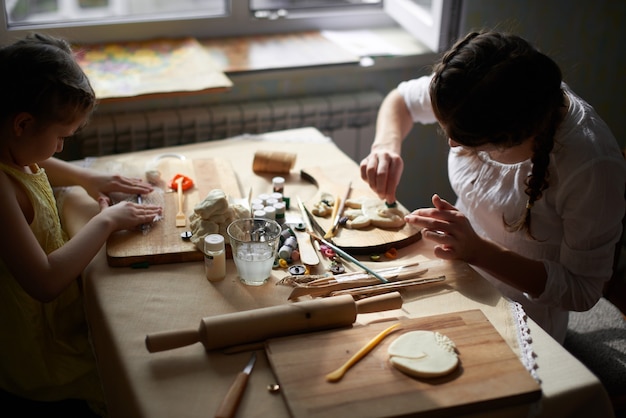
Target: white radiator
pixel 349 119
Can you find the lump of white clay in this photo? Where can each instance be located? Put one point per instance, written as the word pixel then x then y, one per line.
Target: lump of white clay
pixel 213 215
pixel 423 354
pixel 216 202
pixel 367 211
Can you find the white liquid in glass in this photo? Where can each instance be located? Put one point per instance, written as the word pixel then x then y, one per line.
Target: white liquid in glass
pixel 254 262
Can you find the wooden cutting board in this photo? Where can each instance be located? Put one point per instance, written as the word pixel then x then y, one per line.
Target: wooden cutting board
pixel 364 241
pixel 489 375
pixel 162 243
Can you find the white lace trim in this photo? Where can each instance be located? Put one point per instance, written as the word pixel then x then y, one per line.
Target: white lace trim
pixel 525 340
pixel 527 354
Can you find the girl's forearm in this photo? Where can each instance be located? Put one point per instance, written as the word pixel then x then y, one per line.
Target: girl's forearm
pixel 393 123
pixel 62 173
pixel 68 262
pixel 522 273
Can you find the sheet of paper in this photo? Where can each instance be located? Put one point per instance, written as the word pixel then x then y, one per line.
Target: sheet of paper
pixel 128 69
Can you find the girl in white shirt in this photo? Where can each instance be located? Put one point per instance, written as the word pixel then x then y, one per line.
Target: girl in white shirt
pixel 539 177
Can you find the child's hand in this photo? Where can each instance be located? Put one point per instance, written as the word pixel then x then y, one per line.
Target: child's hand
pixel 382 171
pixel 99 185
pixel 127 215
pixel 449 229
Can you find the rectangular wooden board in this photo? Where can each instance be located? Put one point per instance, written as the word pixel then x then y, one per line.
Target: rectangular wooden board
pixel 490 374
pixel 162 243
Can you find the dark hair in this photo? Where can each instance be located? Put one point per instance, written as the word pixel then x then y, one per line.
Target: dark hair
pixel 39 75
pixel 496 88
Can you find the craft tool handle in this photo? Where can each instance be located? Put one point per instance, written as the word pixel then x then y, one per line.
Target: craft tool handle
pixel 386 302
pixel 179 194
pixel 167 340
pixel 229 404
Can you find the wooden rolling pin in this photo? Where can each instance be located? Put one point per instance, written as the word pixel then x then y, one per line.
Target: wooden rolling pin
pixel 221 331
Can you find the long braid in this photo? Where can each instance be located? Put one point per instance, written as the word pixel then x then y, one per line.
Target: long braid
pixel 538 180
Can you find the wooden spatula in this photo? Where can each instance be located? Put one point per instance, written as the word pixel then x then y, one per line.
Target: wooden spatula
pixel 181 219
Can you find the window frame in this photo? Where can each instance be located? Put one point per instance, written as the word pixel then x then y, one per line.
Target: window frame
pixel 437 30
pixel 239 22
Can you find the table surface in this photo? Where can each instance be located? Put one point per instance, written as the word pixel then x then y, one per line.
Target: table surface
pixel 123 305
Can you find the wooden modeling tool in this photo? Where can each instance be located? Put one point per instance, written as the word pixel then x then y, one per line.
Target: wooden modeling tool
pixel 181 219
pixel 308 252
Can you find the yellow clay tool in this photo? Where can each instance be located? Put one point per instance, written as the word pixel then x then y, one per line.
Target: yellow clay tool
pixel 338 374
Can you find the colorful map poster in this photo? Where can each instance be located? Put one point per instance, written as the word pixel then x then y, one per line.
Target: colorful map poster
pixel 129 69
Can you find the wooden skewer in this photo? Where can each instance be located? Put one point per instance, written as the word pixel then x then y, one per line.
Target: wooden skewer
pixel 387 287
pixel 334 285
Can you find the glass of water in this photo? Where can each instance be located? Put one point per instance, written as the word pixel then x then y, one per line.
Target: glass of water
pixel 254 243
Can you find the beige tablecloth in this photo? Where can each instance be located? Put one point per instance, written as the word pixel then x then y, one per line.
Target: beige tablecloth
pixel 124 305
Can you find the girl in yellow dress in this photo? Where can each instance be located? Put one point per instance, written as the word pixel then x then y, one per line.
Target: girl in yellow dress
pixel 45 353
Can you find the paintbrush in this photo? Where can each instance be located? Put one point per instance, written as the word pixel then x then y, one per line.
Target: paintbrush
pixel 348 257
pixel 339 212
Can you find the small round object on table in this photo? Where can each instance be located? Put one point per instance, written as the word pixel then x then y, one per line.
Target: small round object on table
pixel 273 388
pixel 337 268
pixel 297 270
pixel 186 235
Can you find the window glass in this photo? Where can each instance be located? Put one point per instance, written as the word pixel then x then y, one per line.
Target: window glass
pixel 95 21
pixel 274 9
pixel 433 22
pixel 20 12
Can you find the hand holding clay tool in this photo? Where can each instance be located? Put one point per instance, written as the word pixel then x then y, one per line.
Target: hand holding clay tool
pixel 221 331
pixel 229 404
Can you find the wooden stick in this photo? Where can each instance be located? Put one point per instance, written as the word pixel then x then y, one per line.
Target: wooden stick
pixel 387 287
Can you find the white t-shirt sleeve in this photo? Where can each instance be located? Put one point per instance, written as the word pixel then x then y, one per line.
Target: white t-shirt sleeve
pixel 417 99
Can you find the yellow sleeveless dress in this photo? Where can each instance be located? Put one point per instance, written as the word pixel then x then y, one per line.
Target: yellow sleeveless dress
pixel 45 353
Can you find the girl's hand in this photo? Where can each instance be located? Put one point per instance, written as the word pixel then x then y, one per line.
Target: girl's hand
pixel 99 185
pixel 449 229
pixel 127 215
pixel 382 170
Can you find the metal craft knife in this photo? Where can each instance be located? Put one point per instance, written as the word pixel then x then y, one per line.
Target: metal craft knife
pixel 229 405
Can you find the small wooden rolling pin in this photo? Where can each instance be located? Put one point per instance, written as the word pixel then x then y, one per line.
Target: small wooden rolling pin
pixel 222 331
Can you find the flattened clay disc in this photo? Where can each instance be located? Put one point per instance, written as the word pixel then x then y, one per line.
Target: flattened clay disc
pixel 423 354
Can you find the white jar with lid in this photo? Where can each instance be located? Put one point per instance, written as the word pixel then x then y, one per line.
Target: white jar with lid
pixel 214 257
pixel 278 185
